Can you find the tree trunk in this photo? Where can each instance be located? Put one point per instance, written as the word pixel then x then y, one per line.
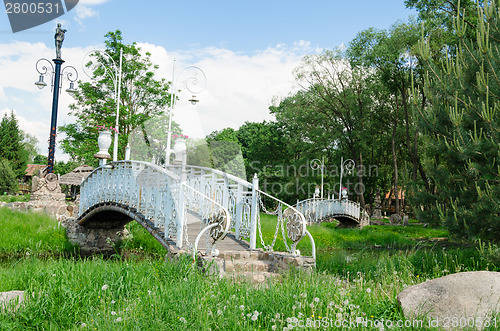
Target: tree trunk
pixel 395 160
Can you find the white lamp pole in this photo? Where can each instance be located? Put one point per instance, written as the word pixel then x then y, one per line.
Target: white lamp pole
pixel 195 83
pixel 315 164
pixel 347 165
pixel 89 69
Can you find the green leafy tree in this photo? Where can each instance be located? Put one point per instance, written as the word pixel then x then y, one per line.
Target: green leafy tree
pixel 8 181
pixel 11 144
pixel 335 108
pixel 142 97
pixel 462 127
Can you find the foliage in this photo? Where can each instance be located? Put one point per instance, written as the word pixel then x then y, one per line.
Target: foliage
pixel 8 181
pixel 40 159
pixel 27 233
pixel 11 144
pixel 30 143
pixel 142 97
pixel 62 168
pixel 462 128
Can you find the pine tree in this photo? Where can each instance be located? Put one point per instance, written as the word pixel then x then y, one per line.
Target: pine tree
pixel 11 144
pixel 462 130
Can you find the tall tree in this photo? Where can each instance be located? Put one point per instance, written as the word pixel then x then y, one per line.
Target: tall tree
pixel 335 107
pixel 11 144
pixel 462 127
pixel 142 97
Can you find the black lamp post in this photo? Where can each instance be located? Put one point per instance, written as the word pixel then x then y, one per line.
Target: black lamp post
pixel 45 67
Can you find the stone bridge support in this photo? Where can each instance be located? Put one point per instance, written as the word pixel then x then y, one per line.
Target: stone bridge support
pixel 102 240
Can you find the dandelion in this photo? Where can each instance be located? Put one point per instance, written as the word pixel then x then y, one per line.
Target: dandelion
pixel 149 292
pixel 368 290
pixel 273 327
pixel 113 301
pixel 311 305
pixel 183 320
pixel 256 313
pixel 104 287
pixel 84 325
pixel 303 294
pixel 219 312
pixel 113 313
pixel 254 317
pixel 277 315
pixel 316 299
pixel 242 307
pixel 119 319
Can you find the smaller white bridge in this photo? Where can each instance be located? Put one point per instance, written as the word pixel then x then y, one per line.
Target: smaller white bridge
pixel 347 213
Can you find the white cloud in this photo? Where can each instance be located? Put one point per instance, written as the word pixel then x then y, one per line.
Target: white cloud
pixel 239 87
pixel 84 10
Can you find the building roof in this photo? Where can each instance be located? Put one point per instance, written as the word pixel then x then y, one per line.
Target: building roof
pixel 76 176
pixel 32 169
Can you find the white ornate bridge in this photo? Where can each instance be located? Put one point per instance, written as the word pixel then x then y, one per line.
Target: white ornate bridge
pixel 347 213
pixel 178 205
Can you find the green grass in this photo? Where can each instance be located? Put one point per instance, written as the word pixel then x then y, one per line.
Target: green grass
pixel 145 292
pixel 25 233
pixel 14 198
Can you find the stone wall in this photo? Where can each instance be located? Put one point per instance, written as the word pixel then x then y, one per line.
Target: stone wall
pixel 93 240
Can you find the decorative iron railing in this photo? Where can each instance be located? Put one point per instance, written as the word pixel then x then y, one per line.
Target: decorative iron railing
pixel 156 193
pixel 244 202
pixel 317 210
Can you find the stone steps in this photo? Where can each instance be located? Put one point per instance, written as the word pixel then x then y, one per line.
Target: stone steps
pixel 254 266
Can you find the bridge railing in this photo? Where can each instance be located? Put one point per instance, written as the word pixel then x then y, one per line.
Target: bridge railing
pixel 156 193
pixel 317 210
pixel 243 200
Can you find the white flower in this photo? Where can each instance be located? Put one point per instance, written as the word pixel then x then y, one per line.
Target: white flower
pixel 256 313
pixel 254 317
pixel 316 299
pixel 119 319
pixel 104 287
pixel 84 325
pixel 219 312
pixel 273 327
pixel 368 290
pixel 277 315
pixel 113 301
pixel 113 313
pixel 303 294
pixel 242 307
pixel 182 319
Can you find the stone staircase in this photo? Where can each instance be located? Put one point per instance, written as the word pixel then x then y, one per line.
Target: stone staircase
pixel 256 267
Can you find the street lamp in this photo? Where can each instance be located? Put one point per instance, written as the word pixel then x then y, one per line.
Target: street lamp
pixel 347 165
pixel 117 81
pixel 195 82
pixel 45 68
pixel 317 164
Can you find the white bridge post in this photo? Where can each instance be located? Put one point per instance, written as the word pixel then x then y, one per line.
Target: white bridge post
pixel 181 208
pixel 255 212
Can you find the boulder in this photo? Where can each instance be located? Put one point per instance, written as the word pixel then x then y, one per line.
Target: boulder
pixel 395 219
pixel 6 298
pixel 461 300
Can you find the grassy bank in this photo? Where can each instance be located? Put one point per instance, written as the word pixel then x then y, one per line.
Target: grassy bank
pixel 144 292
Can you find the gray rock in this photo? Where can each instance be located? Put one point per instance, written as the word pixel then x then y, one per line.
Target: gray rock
pixel 6 299
pixel 395 219
pixel 406 220
pixel 470 298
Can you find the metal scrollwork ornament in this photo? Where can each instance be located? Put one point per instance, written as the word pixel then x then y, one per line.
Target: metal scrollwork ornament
pixel 218 232
pixel 294 225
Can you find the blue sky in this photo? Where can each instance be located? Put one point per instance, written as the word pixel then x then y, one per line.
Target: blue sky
pixel 248 50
